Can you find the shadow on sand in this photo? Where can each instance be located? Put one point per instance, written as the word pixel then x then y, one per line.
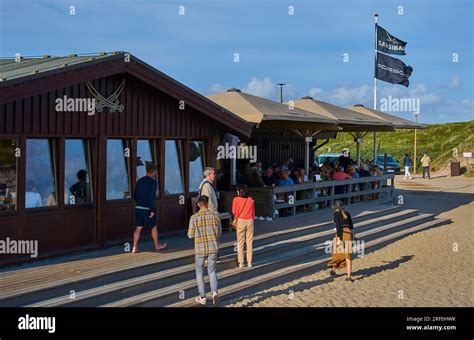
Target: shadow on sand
pixel 358 275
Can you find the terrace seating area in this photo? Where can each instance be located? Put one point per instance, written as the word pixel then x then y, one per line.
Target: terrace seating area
pixel 284 190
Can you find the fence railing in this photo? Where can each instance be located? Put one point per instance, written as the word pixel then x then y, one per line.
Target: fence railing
pixel 285 200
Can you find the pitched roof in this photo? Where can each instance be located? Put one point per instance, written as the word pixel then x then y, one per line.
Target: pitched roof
pixel 268 113
pixel 348 120
pixel 397 122
pixel 32 76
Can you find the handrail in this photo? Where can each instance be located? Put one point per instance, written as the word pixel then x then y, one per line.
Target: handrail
pixel 316 189
pixel 331 183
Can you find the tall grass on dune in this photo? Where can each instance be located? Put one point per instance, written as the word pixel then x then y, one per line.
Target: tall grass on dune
pixel 439 141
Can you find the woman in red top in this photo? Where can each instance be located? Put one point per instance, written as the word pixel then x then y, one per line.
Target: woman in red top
pixel 243 209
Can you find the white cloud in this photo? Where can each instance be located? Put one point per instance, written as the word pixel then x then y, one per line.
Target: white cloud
pixel 216 88
pixel 455 82
pixel 263 88
pixel 344 96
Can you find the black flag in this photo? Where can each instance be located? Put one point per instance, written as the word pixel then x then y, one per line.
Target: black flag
pixel 388 43
pixel 392 70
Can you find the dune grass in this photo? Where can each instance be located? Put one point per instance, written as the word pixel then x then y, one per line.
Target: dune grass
pixel 439 141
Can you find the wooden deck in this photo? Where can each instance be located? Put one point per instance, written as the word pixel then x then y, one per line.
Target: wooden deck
pixel 63 270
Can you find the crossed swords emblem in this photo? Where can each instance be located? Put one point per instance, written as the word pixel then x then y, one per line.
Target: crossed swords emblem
pixel 111 101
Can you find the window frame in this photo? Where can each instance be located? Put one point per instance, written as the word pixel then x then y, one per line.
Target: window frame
pixel 156 154
pixel 53 146
pixel 189 162
pixel 128 160
pixel 181 160
pixel 15 211
pixel 90 171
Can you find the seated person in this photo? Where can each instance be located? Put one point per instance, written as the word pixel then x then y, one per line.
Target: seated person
pixel 254 179
pixel 269 178
pixel 32 198
pixel 339 174
pixel 285 179
pixel 80 189
pixel 300 176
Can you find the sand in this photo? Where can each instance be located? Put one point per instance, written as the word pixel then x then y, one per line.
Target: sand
pixel 432 268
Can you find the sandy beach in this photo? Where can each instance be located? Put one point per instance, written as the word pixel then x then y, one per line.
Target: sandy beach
pixel 432 268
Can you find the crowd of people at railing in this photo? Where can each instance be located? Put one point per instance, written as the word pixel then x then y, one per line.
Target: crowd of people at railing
pixel 290 173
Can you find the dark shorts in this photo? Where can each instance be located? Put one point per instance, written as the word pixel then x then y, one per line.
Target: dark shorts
pixel 142 219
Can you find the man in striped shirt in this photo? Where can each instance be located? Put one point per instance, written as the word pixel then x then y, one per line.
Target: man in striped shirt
pixel 205 228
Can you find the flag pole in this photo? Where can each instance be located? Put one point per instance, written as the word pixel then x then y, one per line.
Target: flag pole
pixel 376 18
pixel 414 148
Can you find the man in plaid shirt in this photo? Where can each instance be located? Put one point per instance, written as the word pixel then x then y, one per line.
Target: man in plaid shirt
pixel 205 228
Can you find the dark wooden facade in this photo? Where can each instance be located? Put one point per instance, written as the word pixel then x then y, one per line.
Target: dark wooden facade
pixel 151 111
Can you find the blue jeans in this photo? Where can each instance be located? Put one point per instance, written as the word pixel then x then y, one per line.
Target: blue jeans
pixel 211 271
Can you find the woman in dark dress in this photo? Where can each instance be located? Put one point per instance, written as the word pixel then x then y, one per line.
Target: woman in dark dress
pixel 342 244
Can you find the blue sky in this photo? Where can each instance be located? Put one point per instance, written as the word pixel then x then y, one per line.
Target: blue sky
pixel 304 50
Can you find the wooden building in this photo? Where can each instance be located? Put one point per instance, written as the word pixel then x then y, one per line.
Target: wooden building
pixel 51 146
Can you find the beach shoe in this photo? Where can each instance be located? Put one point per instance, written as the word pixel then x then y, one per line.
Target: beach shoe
pixel 200 300
pixel 249 265
pixel 349 279
pixel 161 246
pixel 241 265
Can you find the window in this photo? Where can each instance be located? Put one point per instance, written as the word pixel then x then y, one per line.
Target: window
pixel 77 173
pixel 146 153
pixel 40 174
pixel 8 174
pixel 173 167
pixel 118 183
pixel 196 164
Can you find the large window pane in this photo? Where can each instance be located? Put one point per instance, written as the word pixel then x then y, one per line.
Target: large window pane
pixel 173 167
pixel 77 174
pixel 145 155
pixel 40 174
pixel 8 174
pixel 118 184
pixel 196 164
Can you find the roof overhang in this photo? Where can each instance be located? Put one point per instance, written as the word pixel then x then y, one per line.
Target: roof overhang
pixel 270 115
pixel 397 122
pixel 347 120
pixel 88 70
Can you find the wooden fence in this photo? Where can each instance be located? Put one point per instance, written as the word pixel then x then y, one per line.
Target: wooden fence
pixel 286 200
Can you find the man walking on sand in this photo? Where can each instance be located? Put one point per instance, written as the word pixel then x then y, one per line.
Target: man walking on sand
pixel 145 211
pixel 407 163
pixel 205 229
pixel 425 164
pixel 206 188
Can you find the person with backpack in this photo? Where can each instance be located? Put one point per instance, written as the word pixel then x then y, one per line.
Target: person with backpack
pixel 342 244
pixel 205 228
pixel 243 209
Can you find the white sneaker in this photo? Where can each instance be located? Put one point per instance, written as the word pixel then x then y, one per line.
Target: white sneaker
pixel 249 265
pixel 241 265
pixel 200 300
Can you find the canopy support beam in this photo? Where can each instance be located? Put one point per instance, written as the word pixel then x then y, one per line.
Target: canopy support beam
pixel 358 135
pixel 308 136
